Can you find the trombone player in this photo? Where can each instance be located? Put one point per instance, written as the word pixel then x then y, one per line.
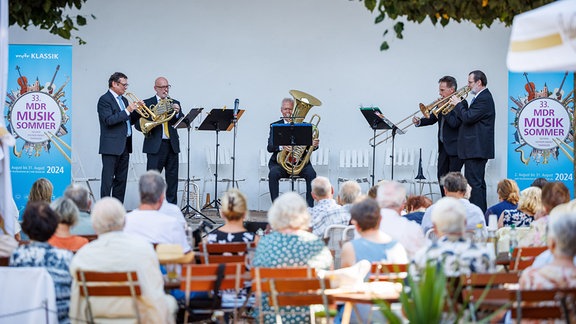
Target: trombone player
pixel 448 125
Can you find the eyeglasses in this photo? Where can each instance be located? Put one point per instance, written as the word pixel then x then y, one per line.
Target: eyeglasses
pixel 164 87
pixel 125 85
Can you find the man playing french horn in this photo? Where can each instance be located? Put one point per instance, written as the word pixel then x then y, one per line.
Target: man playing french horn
pixel 161 140
pixel 276 170
pixel 448 125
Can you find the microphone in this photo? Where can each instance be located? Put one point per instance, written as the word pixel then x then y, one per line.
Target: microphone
pixel 236 103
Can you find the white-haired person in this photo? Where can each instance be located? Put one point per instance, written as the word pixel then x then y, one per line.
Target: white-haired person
pixel 456 254
pixel 561 272
pixel 81 197
pixel 68 217
pixel 115 250
pixel 290 244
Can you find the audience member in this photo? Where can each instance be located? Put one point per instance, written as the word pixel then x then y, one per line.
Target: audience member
pixel 561 272
pixel 391 198
pixel 234 209
pixel 41 191
pixel 539 182
pixel 67 216
pixel 508 196
pixel 118 251
pixel 147 222
pixel 455 186
pixel 452 250
pixel 553 194
pixel 372 245
pixel 529 204
pixel 373 192
pixel 7 242
pixel 546 256
pixel 349 192
pixel 415 208
pixel 173 210
pixel 290 244
pixel 39 222
pixel 323 193
pixel 81 197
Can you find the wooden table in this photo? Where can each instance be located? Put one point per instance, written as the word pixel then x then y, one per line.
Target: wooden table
pixel 367 293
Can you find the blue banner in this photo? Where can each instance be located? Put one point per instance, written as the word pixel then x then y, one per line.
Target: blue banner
pixel 540 134
pixel 38 113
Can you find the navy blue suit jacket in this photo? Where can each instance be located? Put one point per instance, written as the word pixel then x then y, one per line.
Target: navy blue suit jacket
pixel 449 131
pixel 113 128
pixel 476 134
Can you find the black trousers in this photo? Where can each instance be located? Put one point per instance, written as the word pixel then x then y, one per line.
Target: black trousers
pixel 114 175
pixel 168 159
pixel 447 163
pixel 474 172
pixel 277 172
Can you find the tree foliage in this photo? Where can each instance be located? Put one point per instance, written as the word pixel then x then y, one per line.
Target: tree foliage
pixel 481 13
pixel 49 15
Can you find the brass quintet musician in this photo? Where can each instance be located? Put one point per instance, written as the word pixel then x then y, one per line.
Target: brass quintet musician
pixel 277 171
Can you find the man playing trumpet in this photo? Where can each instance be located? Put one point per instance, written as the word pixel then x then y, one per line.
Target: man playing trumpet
pixel 448 125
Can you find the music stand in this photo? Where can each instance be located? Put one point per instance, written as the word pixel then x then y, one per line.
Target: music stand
pixel 376 120
pixel 218 119
pixel 293 134
pixel 186 122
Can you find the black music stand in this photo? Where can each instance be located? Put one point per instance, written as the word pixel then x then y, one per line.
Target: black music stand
pixel 292 134
pixel 376 120
pixel 217 120
pixel 186 122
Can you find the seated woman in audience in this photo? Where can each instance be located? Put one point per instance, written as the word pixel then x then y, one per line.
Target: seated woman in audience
pixel 508 196
pixel 553 194
pixel 452 250
pixel 561 272
pixel 41 191
pixel 234 210
pixel 68 217
pixel 290 244
pixel 372 245
pixel 415 208
pixel 39 222
pixel 529 204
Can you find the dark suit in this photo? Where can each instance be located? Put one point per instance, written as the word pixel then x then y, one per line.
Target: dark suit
pixel 163 153
pixel 115 145
pixel 476 142
pixel 277 171
pixel 448 125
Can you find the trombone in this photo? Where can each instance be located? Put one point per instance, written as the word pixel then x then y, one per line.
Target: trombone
pixel 404 128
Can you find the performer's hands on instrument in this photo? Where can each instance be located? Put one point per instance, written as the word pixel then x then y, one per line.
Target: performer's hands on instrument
pixel 315 142
pixel 454 100
pixel 131 107
pixel 176 108
pixel 287 148
pixel 416 120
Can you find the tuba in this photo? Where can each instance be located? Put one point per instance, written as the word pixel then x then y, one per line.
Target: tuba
pixel 294 162
pixel 153 116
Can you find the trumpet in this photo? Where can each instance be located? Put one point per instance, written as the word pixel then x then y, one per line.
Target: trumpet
pixel 443 105
pixel 404 128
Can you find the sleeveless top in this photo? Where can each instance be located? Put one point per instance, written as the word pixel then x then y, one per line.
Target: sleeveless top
pixel 371 251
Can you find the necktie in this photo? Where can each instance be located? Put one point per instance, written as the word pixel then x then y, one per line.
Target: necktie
pixel 166 132
pixel 472 101
pixel 122 107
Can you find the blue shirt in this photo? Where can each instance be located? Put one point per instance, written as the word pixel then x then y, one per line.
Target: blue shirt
pixel 498 209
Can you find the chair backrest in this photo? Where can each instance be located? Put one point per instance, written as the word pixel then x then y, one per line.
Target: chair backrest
pixel 333 240
pixel 4 261
pixel 381 271
pixel 90 238
pixel 523 257
pixel 543 304
pixel 223 252
pixel 299 292
pixel 348 234
pixel 108 284
pixel 487 291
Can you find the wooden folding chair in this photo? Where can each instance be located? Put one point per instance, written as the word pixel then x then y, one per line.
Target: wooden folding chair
pixel 543 304
pixel 216 253
pixel 301 292
pixel 388 271
pixel 95 284
pixel 523 257
pixel 203 277
pixel 487 292
pixel 261 281
pixel 4 261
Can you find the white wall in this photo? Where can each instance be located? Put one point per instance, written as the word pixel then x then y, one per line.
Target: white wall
pixel 257 50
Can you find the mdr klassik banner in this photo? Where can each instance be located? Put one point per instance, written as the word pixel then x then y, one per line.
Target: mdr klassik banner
pixel 38 113
pixel 540 134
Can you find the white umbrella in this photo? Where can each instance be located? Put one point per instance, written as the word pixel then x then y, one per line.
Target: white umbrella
pixel 544 39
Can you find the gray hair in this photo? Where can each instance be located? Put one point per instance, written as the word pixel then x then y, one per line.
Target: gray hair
pixel 108 215
pixel 562 229
pixel 454 182
pixel 349 191
pixel 391 194
pixel 151 186
pixel 290 100
pixel 289 211
pixel 79 195
pixel 321 187
pixel 66 210
pixel 449 216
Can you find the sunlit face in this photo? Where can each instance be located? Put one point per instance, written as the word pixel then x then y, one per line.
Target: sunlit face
pixel 444 90
pixel 286 109
pixel 162 88
pixel 473 85
pixel 120 86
